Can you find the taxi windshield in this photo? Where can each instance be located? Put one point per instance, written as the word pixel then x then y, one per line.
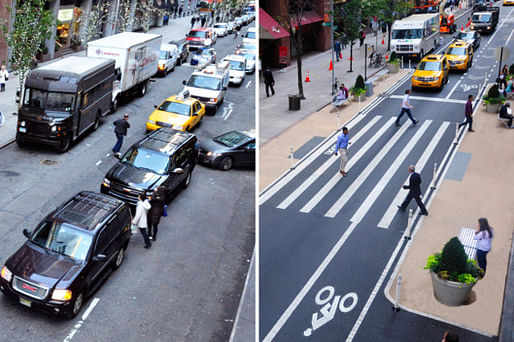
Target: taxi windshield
pixel 175 107
pixel 429 66
pixel 456 51
pixel 206 82
pixel 141 158
pixel 63 239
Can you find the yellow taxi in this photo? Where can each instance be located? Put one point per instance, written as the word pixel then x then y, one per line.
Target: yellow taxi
pixel 508 2
pixel 431 72
pixel 180 112
pixel 460 55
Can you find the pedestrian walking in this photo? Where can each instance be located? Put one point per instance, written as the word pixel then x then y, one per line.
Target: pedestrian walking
pixel 468 114
pixel 414 191
pixel 506 113
pixel 4 76
pixel 337 49
pixel 483 235
pixel 140 218
pixel 406 107
pixel 157 209
pixel 343 41
pixel 204 19
pixel 120 129
pixel 166 19
pixel 342 147
pixel 269 81
pixel 450 336
pixel 180 12
pixel 362 36
pixel 193 20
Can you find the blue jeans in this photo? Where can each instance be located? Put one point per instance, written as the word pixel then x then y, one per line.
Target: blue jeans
pixel 117 147
pixel 405 110
pixel 481 258
pixel 145 237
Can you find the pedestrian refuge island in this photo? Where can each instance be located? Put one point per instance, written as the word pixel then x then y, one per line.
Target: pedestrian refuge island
pixel 466 237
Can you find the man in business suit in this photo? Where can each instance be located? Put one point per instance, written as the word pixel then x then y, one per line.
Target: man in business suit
pixel 414 192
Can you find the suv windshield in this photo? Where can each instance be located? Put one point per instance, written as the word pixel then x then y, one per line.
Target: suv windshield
pixel 52 101
pixel 206 82
pixel 236 65
pixel 429 66
pixel 481 18
pixel 232 139
pixel 408 34
pixel 146 159
pixel 456 51
pixel 63 238
pixel 175 107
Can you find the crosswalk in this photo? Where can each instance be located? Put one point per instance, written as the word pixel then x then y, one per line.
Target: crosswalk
pixel 325 191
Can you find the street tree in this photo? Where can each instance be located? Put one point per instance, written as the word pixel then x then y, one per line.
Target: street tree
pixel 93 20
pixel 347 17
pixel 31 26
pixel 147 11
pixel 124 19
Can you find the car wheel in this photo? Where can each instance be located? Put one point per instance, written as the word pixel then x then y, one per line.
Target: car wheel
pixel 187 181
pixel 120 256
pixel 65 144
pixel 97 122
pixel 114 105
pixel 142 90
pixel 20 141
pixel 226 163
pixel 76 305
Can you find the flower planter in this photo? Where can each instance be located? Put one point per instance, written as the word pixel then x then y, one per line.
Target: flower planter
pixel 449 292
pixel 357 98
pixel 492 107
pixel 393 68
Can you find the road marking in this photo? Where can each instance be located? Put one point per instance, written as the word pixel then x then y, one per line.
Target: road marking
pixel 297 170
pixel 248 84
pixel 323 168
pixel 79 324
pixel 499 27
pixel 386 220
pixel 227 110
pixel 453 89
pixel 337 177
pixel 388 175
pixel 98 162
pixel 424 98
pixel 307 287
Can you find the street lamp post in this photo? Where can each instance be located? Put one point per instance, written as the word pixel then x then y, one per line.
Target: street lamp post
pixel 332 43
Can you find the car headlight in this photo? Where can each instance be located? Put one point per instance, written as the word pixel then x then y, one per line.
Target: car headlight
pixel 472 27
pixel 179 127
pixel 6 274
pixel 23 123
pixel 488 27
pixel 151 122
pixel 106 183
pixel 61 294
pixel 213 100
pixel 53 128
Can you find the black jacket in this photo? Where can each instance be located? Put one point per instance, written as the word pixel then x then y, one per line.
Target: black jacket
pixel 268 77
pixel 503 112
pixel 414 182
pixel 121 126
pixel 158 200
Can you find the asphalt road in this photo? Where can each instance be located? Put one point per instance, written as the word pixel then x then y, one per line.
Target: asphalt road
pixel 187 286
pixel 328 243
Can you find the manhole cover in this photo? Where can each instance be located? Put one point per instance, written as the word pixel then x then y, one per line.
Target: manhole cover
pixel 48 162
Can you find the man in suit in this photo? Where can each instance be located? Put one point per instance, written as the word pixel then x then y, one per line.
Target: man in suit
pixel 269 81
pixel 414 192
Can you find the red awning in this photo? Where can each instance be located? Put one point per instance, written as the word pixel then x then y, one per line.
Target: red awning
pixel 269 28
pixel 308 17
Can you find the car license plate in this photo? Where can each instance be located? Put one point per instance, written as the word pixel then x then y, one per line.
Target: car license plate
pixel 23 129
pixel 25 302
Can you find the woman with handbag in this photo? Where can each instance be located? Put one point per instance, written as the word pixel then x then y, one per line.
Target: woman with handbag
pixel 156 211
pixel 140 218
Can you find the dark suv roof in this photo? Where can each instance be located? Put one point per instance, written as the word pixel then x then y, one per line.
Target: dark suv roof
pixel 86 209
pixel 165 140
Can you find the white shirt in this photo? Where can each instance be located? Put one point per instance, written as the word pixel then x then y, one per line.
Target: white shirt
pixel 3 75
pixel 139 218
pixel 405 101
pixel 484 241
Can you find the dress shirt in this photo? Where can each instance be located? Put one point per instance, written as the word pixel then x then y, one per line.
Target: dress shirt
pixel 342 141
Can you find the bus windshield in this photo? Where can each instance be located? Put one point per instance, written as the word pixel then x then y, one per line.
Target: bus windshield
pixel 408 34
pixel 61 102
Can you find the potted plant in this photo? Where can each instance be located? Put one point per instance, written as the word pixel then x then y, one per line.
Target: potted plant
pixel 358 90
pixel 493 99
pixel 393 64
pixel 453 274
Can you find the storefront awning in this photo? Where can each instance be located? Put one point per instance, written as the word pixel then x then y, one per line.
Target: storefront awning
pixel 309 17
pixel 269 28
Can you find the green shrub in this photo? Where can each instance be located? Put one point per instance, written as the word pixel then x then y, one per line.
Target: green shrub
pixel 453 258
pixel 359 82
pixel 493 92
pixel 393 56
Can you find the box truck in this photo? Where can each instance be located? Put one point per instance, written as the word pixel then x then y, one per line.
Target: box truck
pixel 415 35
pixel 137 59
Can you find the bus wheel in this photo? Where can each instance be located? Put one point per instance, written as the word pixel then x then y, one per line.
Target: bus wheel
pixel 114 105
pixel 97 122
pixel 65 144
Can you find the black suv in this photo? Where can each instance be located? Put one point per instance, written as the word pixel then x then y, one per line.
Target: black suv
pixel 69 254
pixel 166 157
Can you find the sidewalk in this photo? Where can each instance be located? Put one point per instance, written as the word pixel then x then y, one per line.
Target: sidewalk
pixel 176 30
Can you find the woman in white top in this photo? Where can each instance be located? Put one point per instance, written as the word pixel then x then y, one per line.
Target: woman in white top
pixel 484 235
pixel 4 76
pixel 140 218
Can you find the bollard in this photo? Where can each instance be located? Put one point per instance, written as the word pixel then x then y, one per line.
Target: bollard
pixel 409 223
pixel 396 307
pixel 456 134
pixel 433 177
pixel 359 103
pixel 338 119
pixel 403 65
pixel 291 155
pixel 409 63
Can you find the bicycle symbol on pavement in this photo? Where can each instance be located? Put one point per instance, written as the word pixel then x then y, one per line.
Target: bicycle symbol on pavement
pixel 328 311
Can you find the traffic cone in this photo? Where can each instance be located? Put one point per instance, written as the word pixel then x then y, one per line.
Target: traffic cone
pixel 462 28
pixel 350 58
pixel 383 41
pixel 307 79
pixel 387 57
pixel 331 67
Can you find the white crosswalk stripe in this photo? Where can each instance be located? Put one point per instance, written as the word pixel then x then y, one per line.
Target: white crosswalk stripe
pixel 337 177
pixel 323 168
pixel 386 220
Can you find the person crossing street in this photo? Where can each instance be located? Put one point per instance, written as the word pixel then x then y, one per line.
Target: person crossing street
pixel 342 147
pixel 406 107
pixel 414 191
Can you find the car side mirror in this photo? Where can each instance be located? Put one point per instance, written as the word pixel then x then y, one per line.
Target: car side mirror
pixel 184 82
pixel 178 170
pixel 99 257
pixel 27 233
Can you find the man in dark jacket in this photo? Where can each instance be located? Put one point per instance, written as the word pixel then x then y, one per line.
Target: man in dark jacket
pixel 120 129
pixel 269 81
pixel 468 114
pixel 414 192
pixel 154 214
pixel 504 113
pixel 193 20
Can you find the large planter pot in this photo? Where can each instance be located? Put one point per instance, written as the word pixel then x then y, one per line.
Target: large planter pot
pixel 393 68
pixel 492 107
pixel 449 292
pixel 360 97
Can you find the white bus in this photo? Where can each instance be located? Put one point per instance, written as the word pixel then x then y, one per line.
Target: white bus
pixel 415 35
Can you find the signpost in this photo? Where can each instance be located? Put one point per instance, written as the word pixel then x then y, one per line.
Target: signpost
pixel 501 53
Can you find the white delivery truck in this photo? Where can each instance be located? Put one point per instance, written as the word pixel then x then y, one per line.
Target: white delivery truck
pixel 137 59
pixel 415 35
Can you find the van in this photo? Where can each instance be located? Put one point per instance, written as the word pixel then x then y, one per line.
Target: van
pixel 63 99
pixel 416 35
pixel 250 36
pixel 237 69
pixel 168 57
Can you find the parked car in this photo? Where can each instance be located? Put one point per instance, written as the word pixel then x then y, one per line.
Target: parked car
pixel 220 29
pixel 471 37
pixel 168 57
pixel 69 254
pixel 237 69
pixel 250 60
pixel 165 157
pixel 250 37
pixel 183 50
pixel 231 26
pixel 235 148
pixel 181 112
pixel 203 56
pixel 200 37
